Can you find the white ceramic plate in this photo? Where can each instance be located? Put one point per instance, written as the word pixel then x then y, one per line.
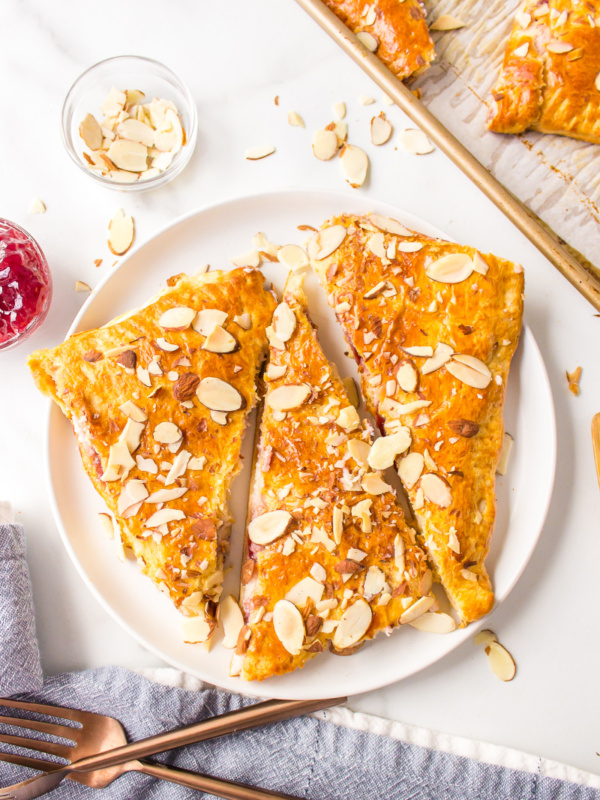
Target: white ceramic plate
pixel 213 235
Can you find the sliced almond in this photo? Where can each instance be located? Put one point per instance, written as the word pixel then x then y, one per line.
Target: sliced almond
pixel 108 524
pixel 417 610
pixel 337 524
pixel 325 242
pixel 134 412
pixel 351 391
pixel 207 319
pixel 167 433
pixel 359 451
pixel 355 165
pixel 276 371
pixel 443 353
pixel 269 526
pixel 423 351
pixel 196 630
pixel 289 626
pixel 91 132
pixel 386 449
pixel 381 129
pixel 232 620
pixel 376 245
pixel 436 490
pixel 135 131
pixel 168 347
pixel 164 516
pixel 484 638
pixel 389 225
pixel 557 46
pixel 133 492
pixel 166 495
pixel 469 370
pixel 407 376
pixel 305 589
pixel 120 233
pixel 292 257
pixel 375 485
pixel 446 23
pixel 522 50
pixel 178 318
pixel 501 661
pixel 284 322
pixel 81 286
pixel 409 247
pixel 434 623
pixel 415 142
pixel 348 419
pixel 295 120
pixel 250 259
pixel 339 109
pixel 324 145
pixel 243 320
pixel 353 624
pixel 507 443
pixel 220 417
pixel 261 151
pixel 523 19
pixel 36 207
pixel 132 434
pixel 130 156
pixel 453 268
pixel 370 42
pixel 288 396
pixel 218 395
pixel 113 103
pixel 410 469
pixel 373 583
pixel 220 341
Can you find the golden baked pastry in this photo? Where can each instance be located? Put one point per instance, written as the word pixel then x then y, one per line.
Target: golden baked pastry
pixel 433 326
pixel 398 30
pixel 549 78
pixel 159 399
pixel 329 558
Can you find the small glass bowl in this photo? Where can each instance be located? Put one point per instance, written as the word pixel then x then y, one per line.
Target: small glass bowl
pixel 12 274
pixel 90 90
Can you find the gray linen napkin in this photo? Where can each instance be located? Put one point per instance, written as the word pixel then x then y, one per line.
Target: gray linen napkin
pixel 307 757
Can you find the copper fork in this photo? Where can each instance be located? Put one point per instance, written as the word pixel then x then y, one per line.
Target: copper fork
pixel 100 752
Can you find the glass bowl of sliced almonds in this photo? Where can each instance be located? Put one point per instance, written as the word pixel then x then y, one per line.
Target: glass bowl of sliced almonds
pixel 130 123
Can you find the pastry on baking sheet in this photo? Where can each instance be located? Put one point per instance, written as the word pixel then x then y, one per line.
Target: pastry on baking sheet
pixel 433 326
pixel 397 31
pixel 329 559
pixel 549 78
pixel 159 399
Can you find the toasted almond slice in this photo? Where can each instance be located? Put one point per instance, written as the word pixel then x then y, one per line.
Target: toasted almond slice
pixel 130 156
pixel 276 371
pixel 292 257
pixel 220 341
pixel 207 319
pixel 353 624
pixel 420 351
pixel 134 412
pixel 135 131
pixel 91 132
pixel 522 50
pixel 243 320
pixel 501 661
pixel 178 318
pixel 269 526
pixel 380 287
pixel 523 19
pixel 399 550
pixel 337 524
pixel 232 620
pixel 446 23
pixel 443 353
pixel 324 145
pixel 409 247
pixel 36 207
pixel 359 451
pixel 132 493
pixel 386 449
pixel 220 417
pixel 262 151
pixel 374 484
pixel 415 142
pixel 218 395
pixel 196 630
pixel 434 623
pixel 121 231
pixel 168 347
pixel 166 495
pixel 81 286
pixel 339 109
pixel 376 245
pixel 407 376
pixel 558 46
pixel 180 464
pixel 295 120
pixel 167 433
pixel 164 516
pixel 417 610
pixel 436 490
pixel 348 419
pixel 305 589
pixel 374 582
pixel 381 129
pixel 370 42
pixel 474 363
pixel 108 524
pixel 453 268
pixel 289 626
pixel 597 82
pixel 114 102
pixel 288 396
pixel 484 638
pixel 325 242
pixel 355 165
pixel 410 469
pixel 351 391
pixel 395 409
pixel 250 259
pixel 389 225
pixel 507 444
pixel 284 322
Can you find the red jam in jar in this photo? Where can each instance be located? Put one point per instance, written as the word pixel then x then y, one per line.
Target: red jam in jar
pixel 25 284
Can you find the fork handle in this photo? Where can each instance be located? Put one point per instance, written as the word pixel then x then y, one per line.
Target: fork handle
pixel 230 790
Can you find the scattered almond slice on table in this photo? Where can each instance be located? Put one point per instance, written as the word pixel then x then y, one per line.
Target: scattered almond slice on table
pixel 573 379
pixel 355 164
pixel 261 151
pixel 121 231
pixel 36 207
pixel 80 286
pixel 446 23
pixel 381 129
pixel 295 120
pixel 501 662
pixel 415 141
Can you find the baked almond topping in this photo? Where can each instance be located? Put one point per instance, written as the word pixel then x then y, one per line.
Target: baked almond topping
pixel 232 621
pixel 207 319
pixel 289 626
pixel 218 395
pixel 370 42
pixel 325 242
pixel 292 257
pixel 507 444
pixel 389 225
pixel 386 449
pixel 269 526
pixel 453 268
pixel 178 318
pixel 407 377
pixel 288 396
pixel 417 610
pixel 167 433
pixel 434 623
pixel 284 322
pixel 353 625
pixel 436 490
pixel 469 370
pixel 220 341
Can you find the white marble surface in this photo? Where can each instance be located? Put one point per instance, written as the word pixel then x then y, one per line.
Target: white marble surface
pixel 236 57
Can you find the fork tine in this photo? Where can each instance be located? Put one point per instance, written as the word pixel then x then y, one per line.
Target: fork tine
pixel 51 748
pixel 38 708
pixel 32 763
pixel 63 731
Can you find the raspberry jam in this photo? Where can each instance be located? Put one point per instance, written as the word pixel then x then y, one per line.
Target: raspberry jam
pixel 25 284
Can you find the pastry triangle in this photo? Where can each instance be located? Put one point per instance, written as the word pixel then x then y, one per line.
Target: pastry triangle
pixel 433 326
pixel 329 559
pixel 159 399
